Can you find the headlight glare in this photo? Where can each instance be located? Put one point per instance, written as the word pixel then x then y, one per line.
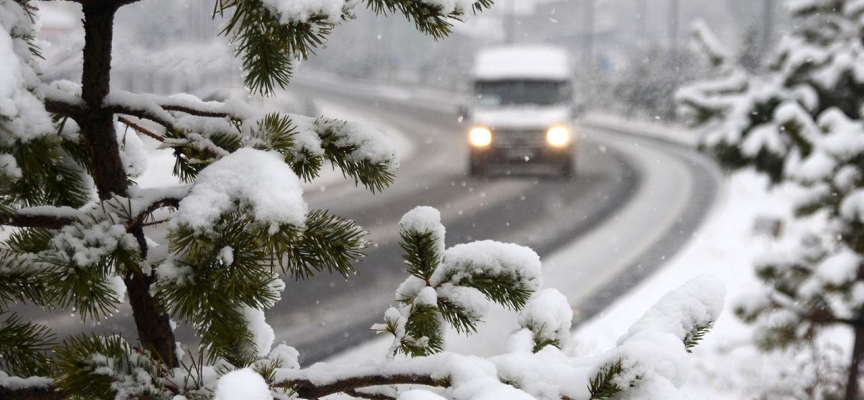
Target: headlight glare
pixel 558 136
pixel 480 136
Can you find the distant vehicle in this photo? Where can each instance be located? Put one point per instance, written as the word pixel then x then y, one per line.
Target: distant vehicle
pixel 522 108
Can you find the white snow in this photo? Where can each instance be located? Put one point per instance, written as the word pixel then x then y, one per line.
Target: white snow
pixel 14 382
pixel 522 62
pixel 472 301
pixel 699 302
pixel 21 113
pixel 706 38
pixel 287 356
pixel 839 268
pixel 254 181
pixel 9 167
pixel 852 207
pixel 227 255
pixel 425 219
pixel 243 384
pixel 549 315
pixel 369 144
pixel 766 136
pixel 726 364
pixel 262 334
pixel 294 11
pixel 418 394
pixel 463 261
pixel 132 152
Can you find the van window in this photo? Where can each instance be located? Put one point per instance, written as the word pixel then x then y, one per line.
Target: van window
pixel 492 94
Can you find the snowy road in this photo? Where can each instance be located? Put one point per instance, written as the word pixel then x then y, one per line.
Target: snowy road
pixel 634 202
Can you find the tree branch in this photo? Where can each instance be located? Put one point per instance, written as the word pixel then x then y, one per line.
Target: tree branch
pixel 117 107
pixel 35 220
pixel 370 396
pixel 195 112
pixel 112 3
pixel 57 106
pixel 162 203
pixel 140 129
pixel 820 316
pixel 308 390
pixel 30 394
pixel 142 114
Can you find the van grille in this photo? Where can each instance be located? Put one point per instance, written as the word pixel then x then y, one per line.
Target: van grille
pixel 509 138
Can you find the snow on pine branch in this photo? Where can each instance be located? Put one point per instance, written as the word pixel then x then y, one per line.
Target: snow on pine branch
pixel 455 285
pixel 22 114
pixel 653 351
pixel 651 356
pixel 256 181
pixel 203 132
pixel 271 36
pixel 708 43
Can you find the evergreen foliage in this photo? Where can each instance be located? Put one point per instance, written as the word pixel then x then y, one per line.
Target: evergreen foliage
pixel 695 335
pixel 80 223
pixel 603 385
pixel 800 124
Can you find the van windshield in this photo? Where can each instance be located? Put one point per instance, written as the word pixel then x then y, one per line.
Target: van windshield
pixel 494 94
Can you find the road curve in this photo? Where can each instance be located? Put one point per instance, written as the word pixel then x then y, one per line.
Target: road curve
pixel 615 172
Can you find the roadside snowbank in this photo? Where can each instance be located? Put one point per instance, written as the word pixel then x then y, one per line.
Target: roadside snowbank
pixel 727 364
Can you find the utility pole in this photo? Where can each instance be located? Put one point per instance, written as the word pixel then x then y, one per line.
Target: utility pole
pixel 588 34
pixel 510 24
pixel 767 25
pixel 642 31
pixel 674 9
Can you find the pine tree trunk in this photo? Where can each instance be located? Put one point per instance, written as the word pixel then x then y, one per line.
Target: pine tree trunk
pixel 97 127
pixel 852 390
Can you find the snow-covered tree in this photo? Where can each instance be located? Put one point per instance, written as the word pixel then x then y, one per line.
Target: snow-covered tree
pixel 647 84
pixel 80 227
pixel 801 124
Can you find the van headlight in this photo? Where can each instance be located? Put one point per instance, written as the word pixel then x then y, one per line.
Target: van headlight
pixel 558 136
pixel 480 136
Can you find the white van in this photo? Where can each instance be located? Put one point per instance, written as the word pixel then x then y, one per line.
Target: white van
pixel 522 108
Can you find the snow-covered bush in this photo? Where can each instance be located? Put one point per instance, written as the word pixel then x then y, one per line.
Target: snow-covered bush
pixel 800 123
pixel 79 239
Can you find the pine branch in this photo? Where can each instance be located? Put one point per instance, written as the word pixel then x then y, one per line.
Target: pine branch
pixel 340 149
pixel 423 331
pixel 420 251
pixel 457 316
pixel 308 390
pixel 328 243
pixel 267 47
pixel 23 278
pixel 540 340
pixel 90 367
pixel 48 176
pixel 49 393
pixel 694 336
pixel 428 17
pixel 501 288
pixel 602 385
pixel 140 129
pixel 160 118
pixel 45 221
pixel 74 110
pixel 23 346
